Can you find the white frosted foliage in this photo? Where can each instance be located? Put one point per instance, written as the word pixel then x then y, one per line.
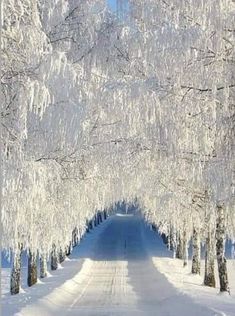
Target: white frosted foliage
pixel 99 109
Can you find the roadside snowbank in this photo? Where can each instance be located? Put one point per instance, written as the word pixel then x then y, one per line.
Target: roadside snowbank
pixel 192 285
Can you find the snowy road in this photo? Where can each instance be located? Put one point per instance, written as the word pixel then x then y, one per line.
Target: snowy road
pixel 117 277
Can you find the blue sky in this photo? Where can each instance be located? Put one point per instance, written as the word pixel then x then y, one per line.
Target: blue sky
pixel 112 4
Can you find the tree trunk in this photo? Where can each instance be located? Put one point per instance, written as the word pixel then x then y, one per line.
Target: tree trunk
pixel 171 239
pixel 87 226
pixel 185 248
pixel 209 277
pixel 69 249
pixel 164 238
pixel 54 258
pixel 81 233
pixel 100 215
pixel 15 273
pixel 61 256
pixel 179 248
pixel 95 220
pixel 105 215
pixel 172 243
pixel 43 266
pixel 196 260
pixel 220 250
pixel 32 269
pixel 233 250
pixel 153 227
pixel 75 237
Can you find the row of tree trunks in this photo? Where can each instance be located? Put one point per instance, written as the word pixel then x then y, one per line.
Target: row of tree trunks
pixel 215 244
pixel 96 220
pixel 57 256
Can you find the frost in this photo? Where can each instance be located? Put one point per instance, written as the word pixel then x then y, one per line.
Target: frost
pixel 99 109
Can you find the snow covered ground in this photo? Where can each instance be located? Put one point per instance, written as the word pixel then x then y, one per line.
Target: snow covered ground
pixel 120 268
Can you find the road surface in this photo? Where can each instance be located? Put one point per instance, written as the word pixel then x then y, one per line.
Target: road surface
pixel 117 277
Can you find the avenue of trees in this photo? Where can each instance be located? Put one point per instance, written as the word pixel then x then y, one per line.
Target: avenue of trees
pixel 101 107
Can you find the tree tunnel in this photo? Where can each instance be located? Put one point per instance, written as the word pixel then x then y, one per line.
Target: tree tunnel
pixel 105 102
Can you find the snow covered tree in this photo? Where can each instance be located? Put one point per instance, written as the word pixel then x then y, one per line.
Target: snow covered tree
pixel 101 108
pixel 220 249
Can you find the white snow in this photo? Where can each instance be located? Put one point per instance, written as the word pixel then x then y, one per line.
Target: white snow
pixel 120 268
